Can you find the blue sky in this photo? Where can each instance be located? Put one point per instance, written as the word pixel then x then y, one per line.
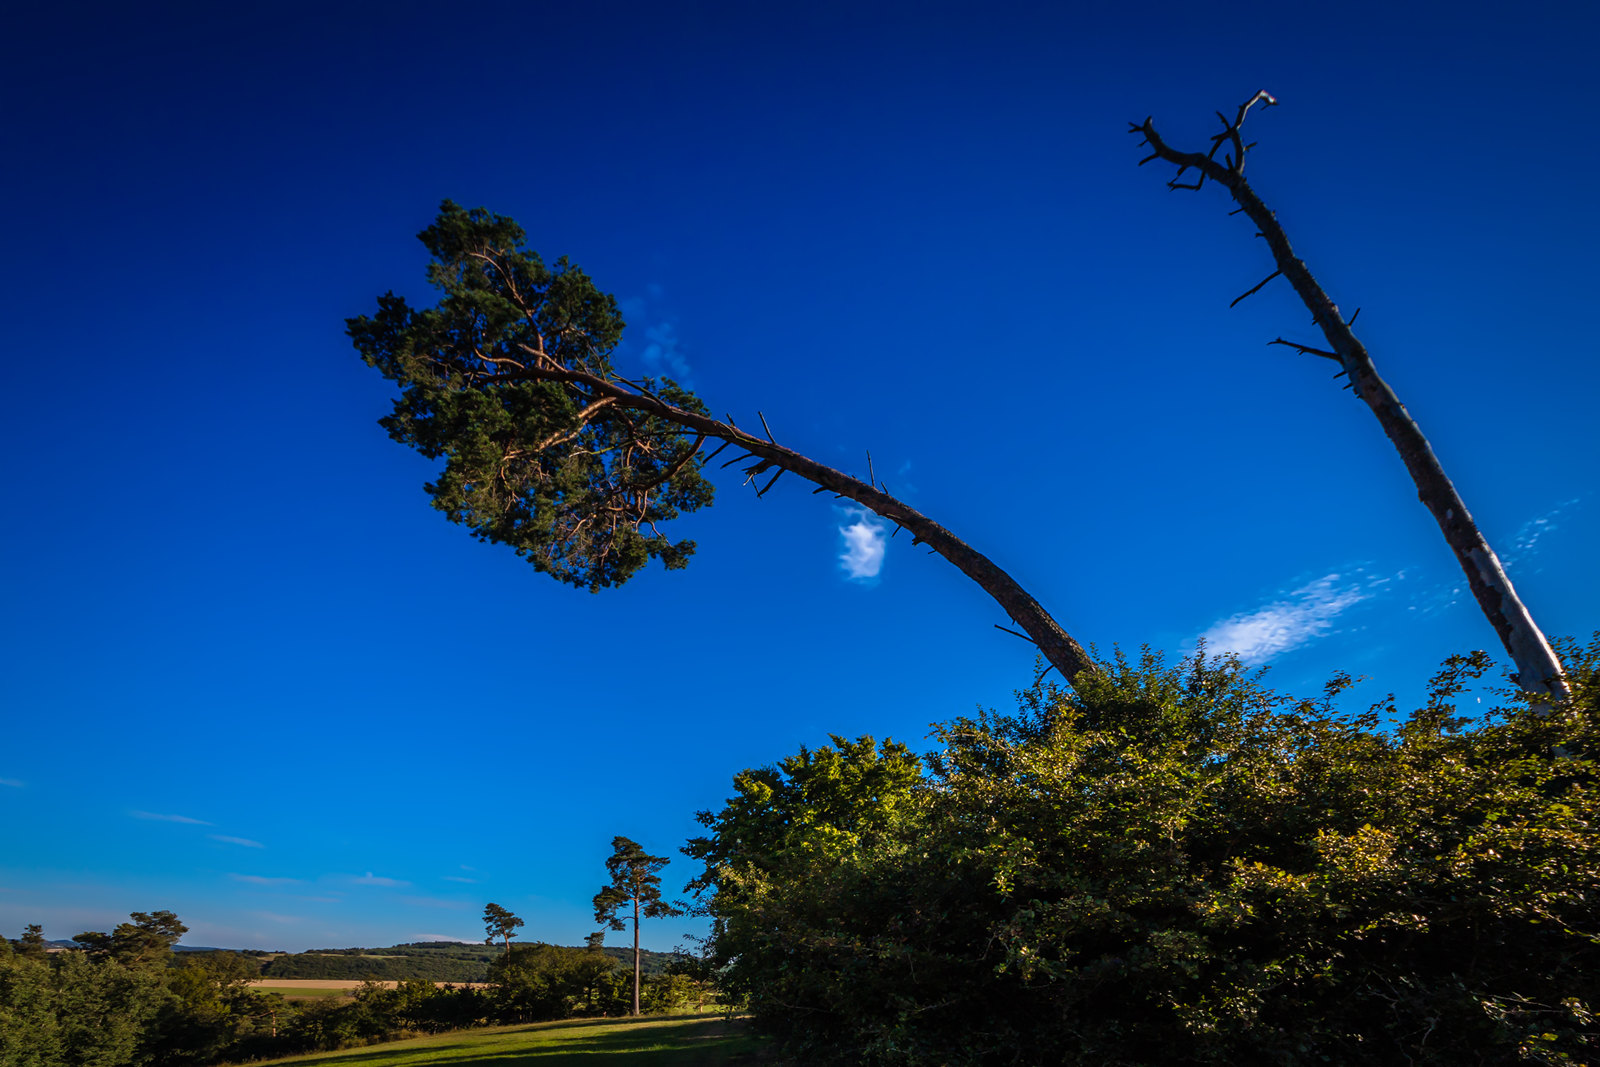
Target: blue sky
pixel 250 676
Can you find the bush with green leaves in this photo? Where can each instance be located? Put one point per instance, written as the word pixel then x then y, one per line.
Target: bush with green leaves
pixel 535 982
pixel 1175 864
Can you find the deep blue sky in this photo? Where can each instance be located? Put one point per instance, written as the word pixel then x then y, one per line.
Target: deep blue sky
pixel 250 676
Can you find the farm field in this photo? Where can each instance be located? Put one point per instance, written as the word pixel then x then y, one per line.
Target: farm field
pixel 705 1039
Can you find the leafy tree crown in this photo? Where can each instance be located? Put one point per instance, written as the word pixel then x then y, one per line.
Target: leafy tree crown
pixel 633 878
pixel 574 483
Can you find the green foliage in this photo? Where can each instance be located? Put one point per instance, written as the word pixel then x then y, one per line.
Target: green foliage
pixel 32 944
pixel 492 380
pixel 499 922
pixel 634 881
pixel 436 963
pixel 30 1032
pixel 104 1008
pixel 145 942
pixel 537 982
pixel 1177 865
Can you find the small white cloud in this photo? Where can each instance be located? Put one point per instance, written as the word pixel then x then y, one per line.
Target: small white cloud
pixel 375 879
pixel 1297 617
pixel 168 818
pixel 256 879
pixel 14 783
pixel 243 841
pixel 864 545
pixel 458 878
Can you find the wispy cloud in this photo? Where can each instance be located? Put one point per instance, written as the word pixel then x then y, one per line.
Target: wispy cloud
pixel 272 916
pixel 257 879
pixel 1525 542
pixel 1292 619
pixel 244 841
pixel 321 900
pixel 377 879
pixel 168 818
pixel 14 783
pixel 864 545
pixel 436 902
pixel 663 354
pixel 458 878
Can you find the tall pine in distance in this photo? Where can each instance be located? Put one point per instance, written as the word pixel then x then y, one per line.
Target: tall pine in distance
pixel 633 881
pixel 499 922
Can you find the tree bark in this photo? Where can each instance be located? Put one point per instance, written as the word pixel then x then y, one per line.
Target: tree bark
pixel 636 949
pixel 1057 646
pixel 1538 671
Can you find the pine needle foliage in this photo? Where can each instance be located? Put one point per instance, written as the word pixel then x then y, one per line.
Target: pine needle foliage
pixel 573 483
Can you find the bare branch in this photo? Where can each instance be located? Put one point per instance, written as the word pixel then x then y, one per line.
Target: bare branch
pixel 763 490
pixel 1305 350
pixel 562 436
pixel 1256 289
pixel 1014 633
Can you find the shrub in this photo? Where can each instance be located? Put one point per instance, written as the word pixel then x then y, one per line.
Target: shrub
pixel 1178 865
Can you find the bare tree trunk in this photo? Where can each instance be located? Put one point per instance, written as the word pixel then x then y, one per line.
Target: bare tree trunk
pixel 1538 671
pixel 1055 644
pixel 636 950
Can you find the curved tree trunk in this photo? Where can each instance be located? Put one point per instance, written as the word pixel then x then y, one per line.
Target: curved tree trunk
pixel 1055 644
pixel 1538 672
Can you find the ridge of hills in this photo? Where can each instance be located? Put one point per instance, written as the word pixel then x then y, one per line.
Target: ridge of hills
pixel 435 961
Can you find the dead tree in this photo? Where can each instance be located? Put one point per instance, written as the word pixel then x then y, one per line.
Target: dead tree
pixel 1538 671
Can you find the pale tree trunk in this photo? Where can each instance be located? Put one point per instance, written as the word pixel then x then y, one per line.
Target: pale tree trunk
pixel 1538 671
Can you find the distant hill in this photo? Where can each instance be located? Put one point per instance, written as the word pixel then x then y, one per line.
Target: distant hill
pixel 436 961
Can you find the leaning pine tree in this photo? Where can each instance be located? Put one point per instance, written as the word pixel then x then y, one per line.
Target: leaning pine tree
pixel 549 449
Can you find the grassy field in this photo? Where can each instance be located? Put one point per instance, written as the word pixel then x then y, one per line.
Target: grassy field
pixel 301 994
pixel 707 1039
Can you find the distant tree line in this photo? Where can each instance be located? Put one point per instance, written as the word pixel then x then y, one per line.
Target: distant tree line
pixel 1177 865
pixel 126 998
pixel 384 967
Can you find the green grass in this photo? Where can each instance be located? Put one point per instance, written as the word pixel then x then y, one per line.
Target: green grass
pixel 294 993
pixel 707 1039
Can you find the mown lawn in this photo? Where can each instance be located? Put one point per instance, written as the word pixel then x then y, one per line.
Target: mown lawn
pixel 707 1039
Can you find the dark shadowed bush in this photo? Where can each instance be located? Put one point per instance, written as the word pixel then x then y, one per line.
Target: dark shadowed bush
pixel 1177 865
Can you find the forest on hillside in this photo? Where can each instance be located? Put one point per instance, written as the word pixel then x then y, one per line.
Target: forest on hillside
pixel 433 961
